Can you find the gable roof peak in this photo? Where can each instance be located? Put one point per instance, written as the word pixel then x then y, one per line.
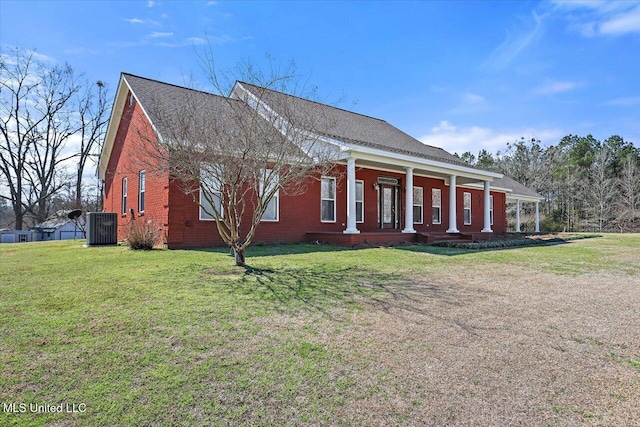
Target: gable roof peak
pixel 155 81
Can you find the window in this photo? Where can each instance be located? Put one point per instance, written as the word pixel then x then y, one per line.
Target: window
pixel 124 196
pixel 272 211
pixel 210 197
pixel 491 209
pixel 359 201
pixel 418 193
pixel 467 208
pixel 141 185
pixel 328 199
pixel 436 206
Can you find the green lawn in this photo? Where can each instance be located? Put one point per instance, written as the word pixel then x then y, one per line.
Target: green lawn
pixel 186 338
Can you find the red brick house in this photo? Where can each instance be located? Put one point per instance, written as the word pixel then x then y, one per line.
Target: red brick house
pixel 381 166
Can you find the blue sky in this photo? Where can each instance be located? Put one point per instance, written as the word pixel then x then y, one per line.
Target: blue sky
pixel 460 75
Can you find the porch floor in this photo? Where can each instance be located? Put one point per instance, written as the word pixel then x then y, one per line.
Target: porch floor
pixel 393 237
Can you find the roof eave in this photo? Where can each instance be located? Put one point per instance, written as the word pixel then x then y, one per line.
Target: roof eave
pixel 413 161
pixel 112 127
pixel 513 197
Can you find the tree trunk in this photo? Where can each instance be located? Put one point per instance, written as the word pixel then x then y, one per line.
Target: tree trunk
pixel 19 219
pixel 78 202
pixel 239 255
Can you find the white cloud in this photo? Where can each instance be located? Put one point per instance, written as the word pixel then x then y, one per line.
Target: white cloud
pixel 600 18
pixel 82 51
pixel 134 20
pixel 444 126
pixel 39 56
pixel 158 35
pixel 475 138
pixel 630 101
pixel 515 42
pixel 220 40
pixel 187 42
pixel 10 59
pixel 196 40
pixel 553 87
pixel 151 3
pixel 623 23
pixel 212 3
pixel 597 6
pixel 472 98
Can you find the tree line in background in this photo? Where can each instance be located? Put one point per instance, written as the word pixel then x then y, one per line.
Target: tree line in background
pixel 587 185
pixel 52 124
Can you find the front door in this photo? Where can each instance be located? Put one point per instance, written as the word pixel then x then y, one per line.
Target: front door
pixel 388 198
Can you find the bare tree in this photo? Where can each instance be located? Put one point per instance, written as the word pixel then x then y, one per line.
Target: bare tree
pixel 601 190
pixel 234 153
pixel 46 174
pixel 35 126
pixel 628 210
pixel 16 86
pixel 93 114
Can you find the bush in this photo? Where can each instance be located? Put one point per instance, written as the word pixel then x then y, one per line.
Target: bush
pixel 551 225
pixel 511 243
pixel 144 235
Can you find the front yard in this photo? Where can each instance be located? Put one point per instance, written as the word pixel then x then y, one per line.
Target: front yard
pixel 321 335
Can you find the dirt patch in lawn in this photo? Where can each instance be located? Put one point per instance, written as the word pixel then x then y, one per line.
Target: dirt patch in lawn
pixel 494 348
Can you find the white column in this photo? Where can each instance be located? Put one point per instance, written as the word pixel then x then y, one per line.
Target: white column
pixel 453 227
pixel 351 197
pixel 487 208
pixel 408 205
pixel 537 217
pixel 518 216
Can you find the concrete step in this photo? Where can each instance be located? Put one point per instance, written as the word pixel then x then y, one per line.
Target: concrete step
pixel 443 237
pixel 450 241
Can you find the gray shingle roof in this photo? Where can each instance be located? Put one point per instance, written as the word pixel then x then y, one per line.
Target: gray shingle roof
pixel 180 113
pixel 164 101
pixel 517 188
pixel 357 129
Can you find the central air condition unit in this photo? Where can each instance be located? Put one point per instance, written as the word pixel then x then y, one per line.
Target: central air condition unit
pixel 102 228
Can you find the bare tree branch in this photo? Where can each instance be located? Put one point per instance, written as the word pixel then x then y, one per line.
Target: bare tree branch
pixel 234 153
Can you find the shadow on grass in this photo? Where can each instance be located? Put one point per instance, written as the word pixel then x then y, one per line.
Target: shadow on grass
pixel 320 291
pixel 259 250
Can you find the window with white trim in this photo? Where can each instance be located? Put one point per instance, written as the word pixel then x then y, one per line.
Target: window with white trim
pixel 359 201
pixel 272 211
pixel 142 182
pixel 418 201
pixel 328 199
pixel 210 197
pixel 467 208
pixel 436 205
pixel 124 195
pixel 491 209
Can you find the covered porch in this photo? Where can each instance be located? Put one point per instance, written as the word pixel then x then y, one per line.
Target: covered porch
pixel 395 198
pixel 518 200
pixel 392 237
pixel 518 194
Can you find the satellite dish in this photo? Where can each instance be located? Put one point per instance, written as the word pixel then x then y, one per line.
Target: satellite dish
pixel 73 215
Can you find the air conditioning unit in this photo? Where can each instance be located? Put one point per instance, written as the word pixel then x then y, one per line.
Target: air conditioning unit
pixel 102 228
